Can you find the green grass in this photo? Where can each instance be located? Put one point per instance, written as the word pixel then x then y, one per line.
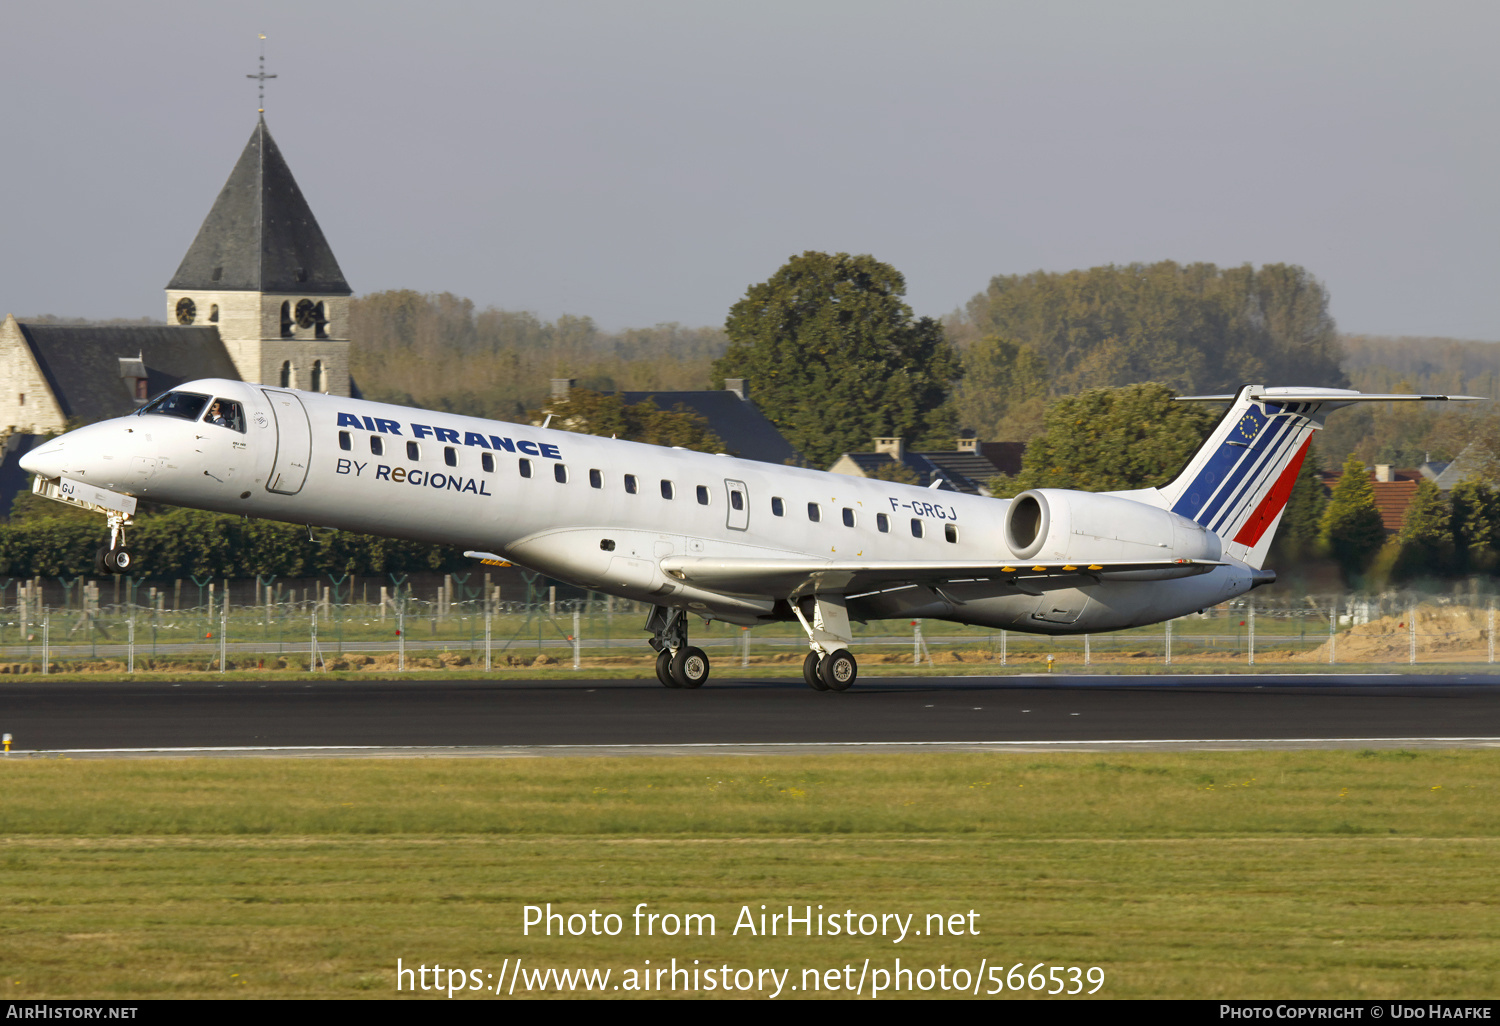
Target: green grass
pixel 1247 874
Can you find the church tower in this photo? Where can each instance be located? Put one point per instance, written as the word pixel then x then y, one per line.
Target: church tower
pixel 261 271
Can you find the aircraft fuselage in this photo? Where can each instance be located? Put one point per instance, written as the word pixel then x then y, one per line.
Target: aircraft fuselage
pixel 605 514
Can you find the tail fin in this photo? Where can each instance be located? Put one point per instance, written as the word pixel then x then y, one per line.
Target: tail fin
pixel 1238 482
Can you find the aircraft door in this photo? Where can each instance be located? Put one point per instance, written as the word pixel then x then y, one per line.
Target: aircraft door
pixel 739 505
pixel 293 443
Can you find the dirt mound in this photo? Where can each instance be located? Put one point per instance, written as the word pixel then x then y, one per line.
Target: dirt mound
pixel 1443 632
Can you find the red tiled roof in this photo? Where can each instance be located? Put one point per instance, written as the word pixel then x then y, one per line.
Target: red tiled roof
pixel 1391 497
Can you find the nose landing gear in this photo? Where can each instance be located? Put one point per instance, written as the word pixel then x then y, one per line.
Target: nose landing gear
pixel 114 557
pixel 113 561
pixel 678 664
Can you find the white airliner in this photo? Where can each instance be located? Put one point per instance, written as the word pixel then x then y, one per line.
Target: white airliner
pixel 720 537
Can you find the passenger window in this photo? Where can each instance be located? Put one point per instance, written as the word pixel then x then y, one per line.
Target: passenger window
pixel 560 473
pixel 882 523
pixel 596 479
pixel 950 531
pixel 666 489
pixel 345 442
pixel 778 508
pixel 848 517
pixel 377 445
pixel 450 455
pixel 525 466
pixel 702 496
pixel 487 461
pixel 630 486
pixel 736 500
pixel 916 528
pixel 813 512
pixel 226 413
pixel 413 451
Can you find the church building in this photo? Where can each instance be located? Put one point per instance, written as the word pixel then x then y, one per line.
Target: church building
pixel 259 297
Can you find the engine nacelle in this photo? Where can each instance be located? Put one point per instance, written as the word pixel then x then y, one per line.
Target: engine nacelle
pixel 1050 524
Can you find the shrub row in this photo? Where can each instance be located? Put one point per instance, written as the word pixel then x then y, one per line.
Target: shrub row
pixel 188 543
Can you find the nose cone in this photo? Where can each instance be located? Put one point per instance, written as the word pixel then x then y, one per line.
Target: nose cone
pixel 46 460
pixel 92 453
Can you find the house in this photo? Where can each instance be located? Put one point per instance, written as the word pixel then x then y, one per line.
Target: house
pixel 969 467
pixel 1394 491
pixel 730 412
pixel 1474 462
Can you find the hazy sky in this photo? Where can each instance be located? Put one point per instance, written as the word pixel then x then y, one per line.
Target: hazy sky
pixel 642 162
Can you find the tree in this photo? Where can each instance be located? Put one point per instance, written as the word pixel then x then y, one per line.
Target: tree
pixel 894 470
pixel 1194 326
pixel 1351 531
pixel 1426 536
pixel 1475 520
pixel 836 358
pixel 438 352
pixel 1003 391
pixel 1297 536
pixel 593 413
pixel 1107 439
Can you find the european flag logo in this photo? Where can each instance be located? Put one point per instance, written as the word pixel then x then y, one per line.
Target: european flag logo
pixel 1249 426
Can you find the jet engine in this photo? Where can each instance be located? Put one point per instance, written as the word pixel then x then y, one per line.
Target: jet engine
pixel 1050 524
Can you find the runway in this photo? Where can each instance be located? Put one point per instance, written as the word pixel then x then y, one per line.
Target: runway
pixel 508 716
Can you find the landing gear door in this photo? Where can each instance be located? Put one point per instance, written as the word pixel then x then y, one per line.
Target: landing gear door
pixel 1064 606
pixel 739 505
pixel 293 443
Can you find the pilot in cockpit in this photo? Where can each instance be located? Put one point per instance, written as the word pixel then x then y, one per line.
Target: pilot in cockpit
pixel 226 413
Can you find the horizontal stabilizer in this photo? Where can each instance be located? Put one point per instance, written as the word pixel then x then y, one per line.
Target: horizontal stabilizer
pixel 1328 395
pixel 1239 481
pixel 796 577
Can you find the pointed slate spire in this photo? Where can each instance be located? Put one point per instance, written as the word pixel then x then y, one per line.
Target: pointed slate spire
pixel 261 235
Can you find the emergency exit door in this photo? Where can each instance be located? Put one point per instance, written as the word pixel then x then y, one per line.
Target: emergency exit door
pixel 739 505
pixel 293 443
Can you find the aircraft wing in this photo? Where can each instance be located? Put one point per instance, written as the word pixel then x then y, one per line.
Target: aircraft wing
pixel 794 577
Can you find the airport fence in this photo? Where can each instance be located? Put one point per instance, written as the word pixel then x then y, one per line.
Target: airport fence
pixel 321 626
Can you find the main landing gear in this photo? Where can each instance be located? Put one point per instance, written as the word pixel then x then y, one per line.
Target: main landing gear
pixel 829 666
pixel 114 557
pixel 832 672
pixel 678 664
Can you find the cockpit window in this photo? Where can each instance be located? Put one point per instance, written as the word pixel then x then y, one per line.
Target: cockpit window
pixel 187 405
pixel 226 413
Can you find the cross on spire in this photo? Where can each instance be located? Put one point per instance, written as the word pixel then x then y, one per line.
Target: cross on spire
pixel 262 76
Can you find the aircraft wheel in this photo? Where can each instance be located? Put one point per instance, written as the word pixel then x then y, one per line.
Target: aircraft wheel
pixel 118 561
pixel 838 670
pixel 810 672
pixel 664 668
pixel 690 667
pixel 100 567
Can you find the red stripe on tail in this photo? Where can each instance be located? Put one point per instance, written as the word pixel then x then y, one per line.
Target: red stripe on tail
pixel 1271 506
